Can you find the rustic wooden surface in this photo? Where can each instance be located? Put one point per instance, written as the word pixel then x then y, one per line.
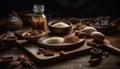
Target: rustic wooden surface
pixel 114 40
pixel 77 62
pixel 71 50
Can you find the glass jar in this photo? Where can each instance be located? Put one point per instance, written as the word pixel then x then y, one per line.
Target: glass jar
pixel 39 21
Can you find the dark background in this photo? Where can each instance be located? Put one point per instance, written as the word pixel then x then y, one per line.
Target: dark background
pixel 77 8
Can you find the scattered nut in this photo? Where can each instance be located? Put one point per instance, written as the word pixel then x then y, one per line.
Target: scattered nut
pixel 26 64
pixel 24 61
pixel 49 54
pixel 48 50
pixel 80 34
pixel 41 49
pixel 21 57
pixel 89 43
pixel 77 32
pixel 33 33
pixel 15 64
pixel 62 52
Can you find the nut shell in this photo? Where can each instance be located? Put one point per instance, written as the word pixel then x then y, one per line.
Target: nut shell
pixel 88 30
pixel 98 36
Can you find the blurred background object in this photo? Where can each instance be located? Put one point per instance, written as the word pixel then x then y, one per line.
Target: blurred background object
pixel 83 8
pixel 6 6
pixel 78 8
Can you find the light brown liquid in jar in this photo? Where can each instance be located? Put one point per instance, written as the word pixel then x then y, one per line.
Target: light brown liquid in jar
pixel 39 24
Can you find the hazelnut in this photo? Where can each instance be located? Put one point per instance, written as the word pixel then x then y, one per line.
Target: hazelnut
pixel 48 54
pixel 15 64
pixel 34 33
pixel 27 63
pixel 62 52
pixel 77 32
pixel 48 50
pixel 81 34
pixel 89 43
pixel 27 34
pixel 41 49
pixel 26 59
pixel 21 57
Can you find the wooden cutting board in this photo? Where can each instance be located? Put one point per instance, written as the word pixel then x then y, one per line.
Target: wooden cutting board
pixel 31 48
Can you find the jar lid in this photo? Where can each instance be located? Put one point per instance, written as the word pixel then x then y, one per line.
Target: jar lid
pixel 38 8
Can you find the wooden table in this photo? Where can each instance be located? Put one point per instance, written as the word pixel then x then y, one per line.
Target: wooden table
pixel 77 62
